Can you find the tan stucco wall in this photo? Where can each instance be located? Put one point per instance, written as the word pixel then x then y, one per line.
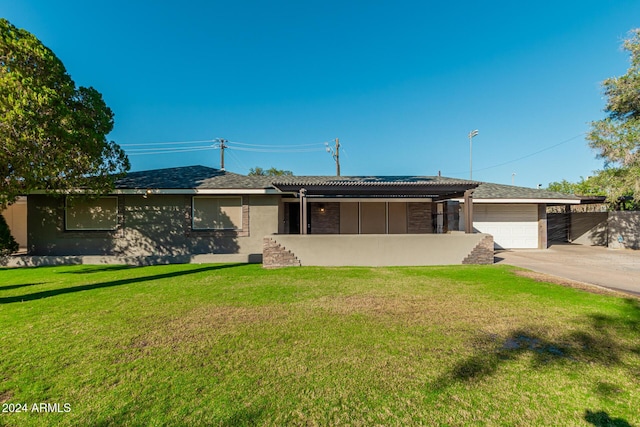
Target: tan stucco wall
pixel 156 226
pixel 380 249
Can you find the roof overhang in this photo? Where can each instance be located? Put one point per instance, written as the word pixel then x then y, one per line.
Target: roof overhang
pixel 526 201
pixel 174 191
pixel 433 191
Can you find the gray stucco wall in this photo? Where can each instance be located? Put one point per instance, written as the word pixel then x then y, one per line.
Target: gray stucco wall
pixel 589 228
pixel 624 230
pixel 617 230
pixel 159 225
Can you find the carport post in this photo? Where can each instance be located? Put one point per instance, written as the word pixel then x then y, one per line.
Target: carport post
pixel 468 211
pixel 303 211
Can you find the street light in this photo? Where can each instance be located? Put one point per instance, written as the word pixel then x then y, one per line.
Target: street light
pixel 471 135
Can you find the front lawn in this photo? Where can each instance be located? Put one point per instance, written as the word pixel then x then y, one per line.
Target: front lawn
pixel 239 345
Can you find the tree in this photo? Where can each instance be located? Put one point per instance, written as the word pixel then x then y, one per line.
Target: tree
pixel 52 133
pixel 258 171
pixel 592 186
pixel 603 183
pixel 616 138
pixel 8 244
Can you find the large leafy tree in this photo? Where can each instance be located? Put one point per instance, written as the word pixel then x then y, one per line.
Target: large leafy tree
pixel 52 133
pixel 616 138
pixel 604 183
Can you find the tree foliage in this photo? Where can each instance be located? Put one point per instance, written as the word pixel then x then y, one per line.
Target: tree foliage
pixel 604 183
pixel 8 244
pixel 616 138
pixel 258 171
pixel 52 133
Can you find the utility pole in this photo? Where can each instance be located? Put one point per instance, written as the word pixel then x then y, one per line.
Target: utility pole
pixel 336 155
pixel 221 142
pixel 471 135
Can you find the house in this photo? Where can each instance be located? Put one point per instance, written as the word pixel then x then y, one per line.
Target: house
pixel 201 214
pixel 516 217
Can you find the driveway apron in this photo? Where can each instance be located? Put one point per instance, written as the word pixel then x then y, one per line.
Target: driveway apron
pixel 617 269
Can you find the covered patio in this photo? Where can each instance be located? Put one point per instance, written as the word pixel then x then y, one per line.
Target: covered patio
pixel 375 221
pixel 372 205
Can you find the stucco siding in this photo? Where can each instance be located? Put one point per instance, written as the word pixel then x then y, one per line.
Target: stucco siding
pixel 153 226
pixel 384 249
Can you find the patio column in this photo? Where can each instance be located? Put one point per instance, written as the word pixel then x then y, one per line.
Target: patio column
pixel 468 211
pixel 303 211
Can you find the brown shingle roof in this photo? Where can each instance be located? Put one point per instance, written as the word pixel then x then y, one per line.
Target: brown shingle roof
pixel 191 177
pixel 488 190
pixel 202 177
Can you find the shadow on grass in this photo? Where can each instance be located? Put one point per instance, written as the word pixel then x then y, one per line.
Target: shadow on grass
pixel 88 287
pixel 8 287
pixel 602 419
pixel 100 269
pixel 603 341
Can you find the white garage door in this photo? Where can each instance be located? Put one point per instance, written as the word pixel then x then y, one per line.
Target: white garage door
pixel 512 226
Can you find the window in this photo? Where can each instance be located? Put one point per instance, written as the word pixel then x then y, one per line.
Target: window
pixel 96 214
pixel 217 213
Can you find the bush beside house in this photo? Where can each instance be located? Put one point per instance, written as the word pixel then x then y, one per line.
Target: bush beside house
pixel 8 244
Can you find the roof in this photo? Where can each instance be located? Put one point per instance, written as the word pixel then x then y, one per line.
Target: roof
pixel 199 178
pixel 489 190
pixel 191 177
pixel 369 180
pixel 433 187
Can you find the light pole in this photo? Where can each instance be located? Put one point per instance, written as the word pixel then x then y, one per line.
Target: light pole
pixel 471 135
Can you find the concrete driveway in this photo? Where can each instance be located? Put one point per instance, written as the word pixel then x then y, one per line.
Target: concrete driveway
pixel 617 269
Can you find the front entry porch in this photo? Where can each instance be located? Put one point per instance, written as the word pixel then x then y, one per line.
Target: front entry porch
pixel 374 221
pixel 328 216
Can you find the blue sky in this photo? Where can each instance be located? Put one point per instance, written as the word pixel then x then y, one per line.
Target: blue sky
pixel 401 83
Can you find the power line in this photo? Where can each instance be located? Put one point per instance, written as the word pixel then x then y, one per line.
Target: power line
pixel 169 151
pixel 167 143
pixel 238 161
pixel 523 157
pixel 275 150
pixel 277 145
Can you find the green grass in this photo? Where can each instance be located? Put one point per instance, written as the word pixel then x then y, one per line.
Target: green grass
pixel 239 345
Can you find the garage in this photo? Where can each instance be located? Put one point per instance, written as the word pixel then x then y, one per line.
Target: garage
pixel 512 225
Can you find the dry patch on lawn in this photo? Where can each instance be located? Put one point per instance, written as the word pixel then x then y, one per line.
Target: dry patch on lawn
pixel 444 310
pixel 594 289
pixel 204 325
pixel 6 396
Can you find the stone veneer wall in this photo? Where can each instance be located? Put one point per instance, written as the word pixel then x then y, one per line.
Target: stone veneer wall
pixel 327 222
pixel 274 255
pixel 419 219
pixel 482 253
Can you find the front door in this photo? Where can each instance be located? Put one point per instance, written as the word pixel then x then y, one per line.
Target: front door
pixel 293 224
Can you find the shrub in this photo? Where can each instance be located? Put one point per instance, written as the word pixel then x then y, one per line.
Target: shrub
pixel 8 244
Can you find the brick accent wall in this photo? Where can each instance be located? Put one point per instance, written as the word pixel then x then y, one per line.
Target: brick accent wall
pixel 482 253
pixel 419 219
pixel 274 255
pixel 327 222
